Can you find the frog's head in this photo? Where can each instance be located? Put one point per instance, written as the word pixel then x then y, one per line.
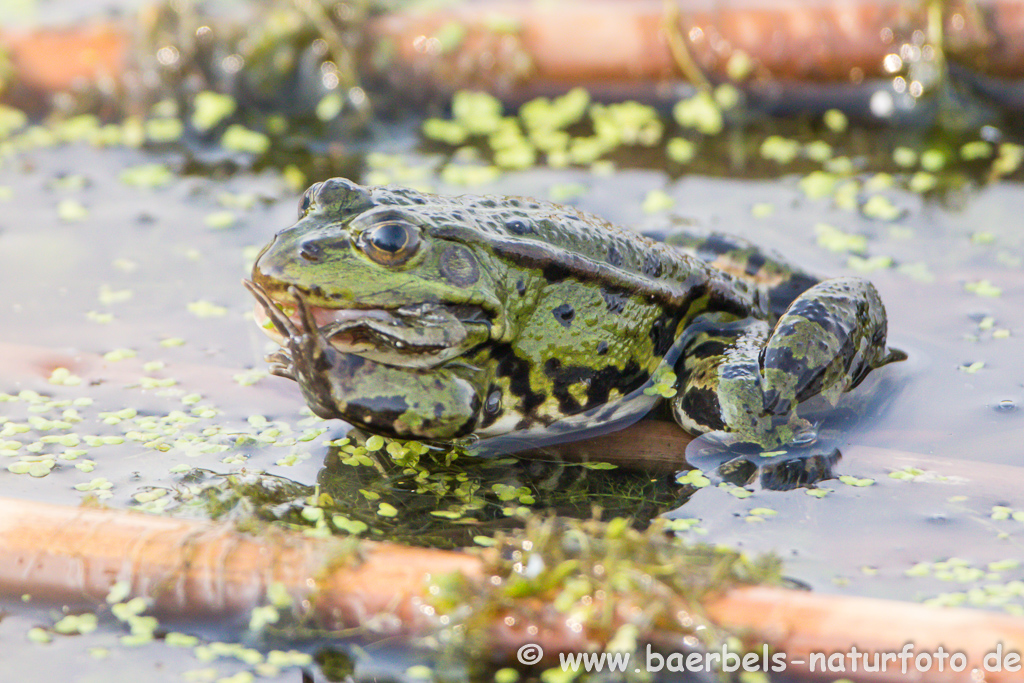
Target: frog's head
pixel 377 280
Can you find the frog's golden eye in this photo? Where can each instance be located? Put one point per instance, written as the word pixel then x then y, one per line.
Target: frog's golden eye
pixel 390 243
pixel 307 199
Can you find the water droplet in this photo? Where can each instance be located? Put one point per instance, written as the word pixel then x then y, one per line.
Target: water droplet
pixel 1005 406
pixel 805 437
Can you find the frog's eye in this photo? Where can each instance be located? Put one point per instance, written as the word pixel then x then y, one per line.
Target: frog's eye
pixel 307 199
pixel 391 242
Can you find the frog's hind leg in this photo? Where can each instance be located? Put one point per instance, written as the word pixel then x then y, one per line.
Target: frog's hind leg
pixel 741 377
pixel 720 387
pixel 782 281
pixel 825 343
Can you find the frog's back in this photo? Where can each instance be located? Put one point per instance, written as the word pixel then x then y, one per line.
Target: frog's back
pixel 567 242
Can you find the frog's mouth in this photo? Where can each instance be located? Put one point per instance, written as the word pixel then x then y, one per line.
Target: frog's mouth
pixel 417 335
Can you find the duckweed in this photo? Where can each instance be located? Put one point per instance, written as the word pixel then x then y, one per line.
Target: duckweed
pixel 779 149
pixel 681 150
pixel 818 184
pixel 626 123
pixel 38 635
pixel 206 309
pixel 922 182
pixel 1009 159
pixel 64 377
pixel 71 211
pixel 387 510
pixel 933 160
pixel 657 200
pixel 850 480
pixel 150 175
pixel 119 354
pixel 835 121
pixel 735 491
pixel 818 150
pixel 561 112
pixel 615 565
pixel 905 157
pixel 834 239
pixel 917 271
pixel 76 624
pixel 329 106
pixel 449 132
pixel 210 108
pixel 976 149
pixel 880 207
pixel 479 112
pixel 240 139
pixel 101 318
pixel 868 265
pixel 700 112
pixel 11 120
pixel 983 288
pixel 906 474
pixel 161 130
pixel 221 220
pixel 566 192
pixel 469 174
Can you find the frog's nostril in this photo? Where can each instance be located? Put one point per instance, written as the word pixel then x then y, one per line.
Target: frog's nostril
pixel 311 251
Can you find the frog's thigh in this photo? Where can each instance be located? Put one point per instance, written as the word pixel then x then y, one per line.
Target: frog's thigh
pixel 720 384
pixel 783 282
pixel 434 403
pixel 825 343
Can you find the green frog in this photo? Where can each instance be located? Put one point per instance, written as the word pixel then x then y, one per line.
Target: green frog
pixel 519 322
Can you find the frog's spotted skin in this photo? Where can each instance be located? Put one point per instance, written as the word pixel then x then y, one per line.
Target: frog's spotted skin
pixel 747 261
pixel 429 317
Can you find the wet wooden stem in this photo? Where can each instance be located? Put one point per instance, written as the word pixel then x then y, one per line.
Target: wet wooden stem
pixel 75 555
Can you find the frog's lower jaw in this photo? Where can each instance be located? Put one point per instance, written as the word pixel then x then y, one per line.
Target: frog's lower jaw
pixel 419 336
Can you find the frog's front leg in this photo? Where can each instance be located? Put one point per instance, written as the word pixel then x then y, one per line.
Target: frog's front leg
pixel 406 403
pixel 438 403
pixel 738 377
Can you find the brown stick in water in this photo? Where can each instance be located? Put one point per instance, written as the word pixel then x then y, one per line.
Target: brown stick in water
pixel 67 554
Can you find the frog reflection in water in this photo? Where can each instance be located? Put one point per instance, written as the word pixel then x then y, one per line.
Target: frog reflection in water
pixel 421 316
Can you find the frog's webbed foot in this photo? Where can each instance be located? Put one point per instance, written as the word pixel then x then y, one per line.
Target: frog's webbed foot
pixel 281 362
pixel 281 365
pixel 306 356
pixel 743 379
